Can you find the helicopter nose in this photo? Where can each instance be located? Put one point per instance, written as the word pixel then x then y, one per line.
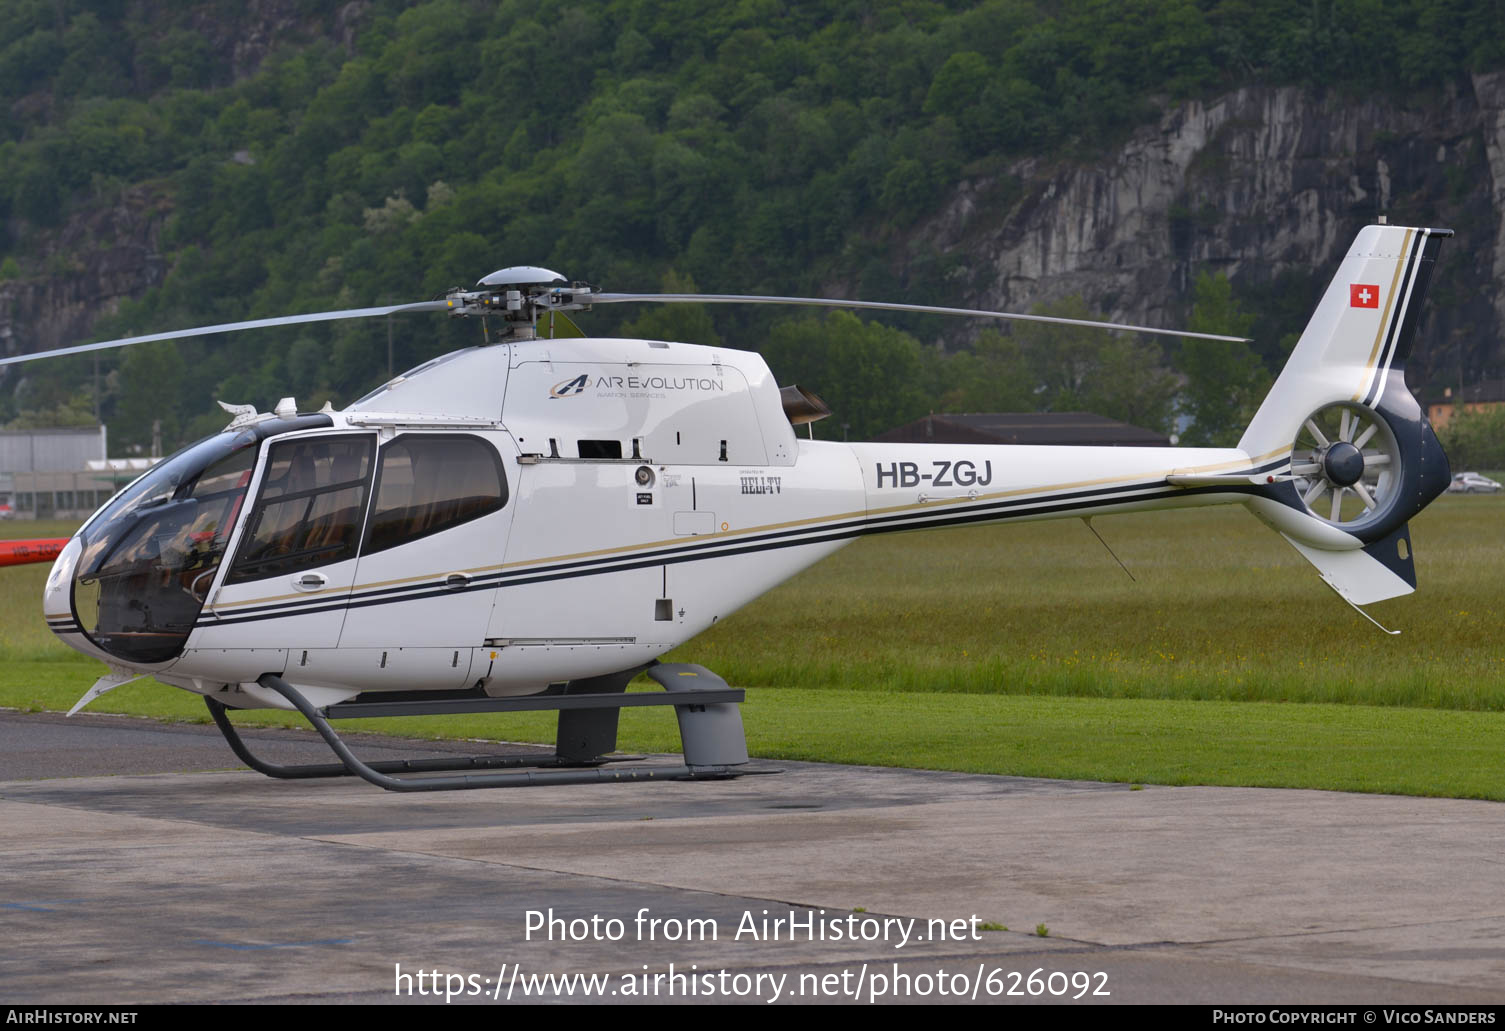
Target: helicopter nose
pixel 60 579
pixel 57 598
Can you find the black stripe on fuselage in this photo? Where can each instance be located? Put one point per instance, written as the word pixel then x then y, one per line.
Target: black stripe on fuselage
pixel 1012 508
pixel 711 547
pixel 675 553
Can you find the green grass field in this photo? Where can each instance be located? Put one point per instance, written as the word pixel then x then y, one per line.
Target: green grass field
pixel 1027 650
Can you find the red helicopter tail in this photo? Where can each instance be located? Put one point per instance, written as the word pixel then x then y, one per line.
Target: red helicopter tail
pixel 20 553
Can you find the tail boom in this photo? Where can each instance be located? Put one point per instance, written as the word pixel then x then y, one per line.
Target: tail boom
pixel 915 486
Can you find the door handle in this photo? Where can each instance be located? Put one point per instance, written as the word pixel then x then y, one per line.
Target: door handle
pixel 455 581
pixel 193 588
pixel 310 582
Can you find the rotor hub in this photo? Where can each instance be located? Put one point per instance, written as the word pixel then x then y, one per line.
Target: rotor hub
pixel 1343 464
pixel 518 296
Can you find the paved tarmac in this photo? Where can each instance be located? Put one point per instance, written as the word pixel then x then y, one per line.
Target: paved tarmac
pixel 140 864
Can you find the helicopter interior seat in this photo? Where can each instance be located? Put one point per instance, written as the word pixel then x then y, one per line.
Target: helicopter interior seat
pixel 428 482
pixel 304 474
pixel 345 521
pixel 465 486
pixel 301 475
pixel 334 529
pixel 474 487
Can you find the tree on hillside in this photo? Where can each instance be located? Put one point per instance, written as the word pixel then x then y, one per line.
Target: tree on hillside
pixel 1079 369
pixel 686 323
pixel 873 377
pixel 1475 439
pixel 1131 384
pixel 379 151
pixel 1225 381
pixel 1062 359
pixel 991 376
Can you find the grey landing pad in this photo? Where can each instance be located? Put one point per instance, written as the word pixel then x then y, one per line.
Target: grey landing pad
pixel 184 879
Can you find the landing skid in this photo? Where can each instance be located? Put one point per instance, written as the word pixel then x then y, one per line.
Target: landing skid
pixel 710 727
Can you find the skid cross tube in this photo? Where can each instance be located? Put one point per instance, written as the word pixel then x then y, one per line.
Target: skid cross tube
pixel 712 737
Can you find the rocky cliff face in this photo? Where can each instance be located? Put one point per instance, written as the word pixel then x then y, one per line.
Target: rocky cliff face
pixel 259 27
pixel 99 258
pixel 1267 186
pixel 110 251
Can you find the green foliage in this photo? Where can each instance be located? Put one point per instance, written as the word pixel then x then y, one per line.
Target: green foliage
pixel 871 376
pixel 149 373
pixel 992 376
pixel 1077 369
pixel 74 411
pixel 1475 439
pixel 1132 385
pixel 690 323
pixel 964 90
pixel 756 147
pixel 1225 381
pixel 875 378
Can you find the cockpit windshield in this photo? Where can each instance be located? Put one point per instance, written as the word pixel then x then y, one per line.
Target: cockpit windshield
pixel 149 558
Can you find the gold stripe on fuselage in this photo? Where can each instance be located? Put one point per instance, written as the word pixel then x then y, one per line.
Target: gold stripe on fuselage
pixel 1045 492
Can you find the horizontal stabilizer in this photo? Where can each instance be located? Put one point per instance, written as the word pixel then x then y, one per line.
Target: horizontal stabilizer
pixel 1384 569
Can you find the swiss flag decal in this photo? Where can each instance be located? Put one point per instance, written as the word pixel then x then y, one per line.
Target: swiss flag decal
pixel 1363 295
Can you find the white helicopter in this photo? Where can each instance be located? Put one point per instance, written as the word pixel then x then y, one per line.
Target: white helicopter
pixel 546 511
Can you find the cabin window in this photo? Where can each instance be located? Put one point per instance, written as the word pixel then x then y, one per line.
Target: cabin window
pixel 600 449
pixel 430 484
pixel 310 509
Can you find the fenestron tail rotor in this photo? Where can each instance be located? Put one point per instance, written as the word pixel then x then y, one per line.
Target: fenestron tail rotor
pixel 1346 465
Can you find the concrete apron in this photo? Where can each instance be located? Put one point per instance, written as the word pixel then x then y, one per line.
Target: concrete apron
pixel 224 886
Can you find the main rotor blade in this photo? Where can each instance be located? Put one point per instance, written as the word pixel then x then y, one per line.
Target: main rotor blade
pixel 831 302
pixel 233 327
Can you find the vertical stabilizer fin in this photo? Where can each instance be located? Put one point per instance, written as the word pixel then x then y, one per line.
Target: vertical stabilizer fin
pixel 1362 458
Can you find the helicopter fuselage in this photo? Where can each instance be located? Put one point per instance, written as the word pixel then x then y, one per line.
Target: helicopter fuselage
pixel 510 516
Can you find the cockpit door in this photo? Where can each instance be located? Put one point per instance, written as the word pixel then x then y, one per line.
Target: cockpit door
pixel 431 557
pixel 295 557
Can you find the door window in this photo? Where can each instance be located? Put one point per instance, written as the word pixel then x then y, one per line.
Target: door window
pixel 310 508
pixel 428 484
